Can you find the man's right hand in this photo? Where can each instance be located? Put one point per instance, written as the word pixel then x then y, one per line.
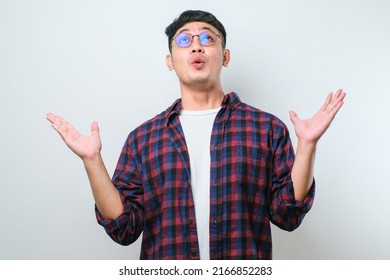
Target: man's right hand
pixel 86 147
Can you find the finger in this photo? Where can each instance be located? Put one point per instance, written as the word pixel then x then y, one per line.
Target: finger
pixel 71 131
pixel 328 99
pixel 338 92
pixel 56 121
pixel 59 124
pixel 63 132
pixel 65 129
pixel 341 95
pixel 338 95
pixel 95 129
pixel 50 117
pixel 336 108
pixel 293 117
pixel 336 100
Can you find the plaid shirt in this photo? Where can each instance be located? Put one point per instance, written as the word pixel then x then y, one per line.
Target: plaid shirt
pixel 250 186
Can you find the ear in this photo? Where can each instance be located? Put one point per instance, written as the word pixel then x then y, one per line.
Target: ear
pixel 226 57
pixel 169 62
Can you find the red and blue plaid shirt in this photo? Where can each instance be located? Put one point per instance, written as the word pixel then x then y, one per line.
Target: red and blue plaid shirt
pixel 250 186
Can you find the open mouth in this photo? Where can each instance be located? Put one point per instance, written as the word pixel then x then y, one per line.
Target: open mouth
pixel 198 62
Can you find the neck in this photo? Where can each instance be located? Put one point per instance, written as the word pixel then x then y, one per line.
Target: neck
pixel 200 99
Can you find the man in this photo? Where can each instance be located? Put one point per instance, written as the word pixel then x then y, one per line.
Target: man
pixel 205 178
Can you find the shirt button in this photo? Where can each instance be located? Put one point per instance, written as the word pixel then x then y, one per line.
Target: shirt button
pixel 191 221
pixel 194 254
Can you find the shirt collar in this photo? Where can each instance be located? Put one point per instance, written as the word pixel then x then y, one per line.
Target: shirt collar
pixel 229 100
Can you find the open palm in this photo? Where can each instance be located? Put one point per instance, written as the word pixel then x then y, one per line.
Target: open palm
pixel 310 130
pixel 83 146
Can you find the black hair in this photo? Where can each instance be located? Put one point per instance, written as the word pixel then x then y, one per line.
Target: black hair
pixel 190 16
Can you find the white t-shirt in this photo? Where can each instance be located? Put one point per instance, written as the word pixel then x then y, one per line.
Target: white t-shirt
pixel 197 127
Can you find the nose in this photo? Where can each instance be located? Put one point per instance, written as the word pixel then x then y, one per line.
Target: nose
pixel 196 45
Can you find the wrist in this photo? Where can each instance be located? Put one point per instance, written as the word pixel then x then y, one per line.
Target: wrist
pixel 306 146
pixel 93 159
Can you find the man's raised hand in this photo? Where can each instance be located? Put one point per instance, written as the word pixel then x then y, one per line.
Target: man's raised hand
pixel 311 130
pixel 86 147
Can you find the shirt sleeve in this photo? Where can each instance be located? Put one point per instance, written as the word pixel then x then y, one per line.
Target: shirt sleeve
pixel 286 212
pixel 127 179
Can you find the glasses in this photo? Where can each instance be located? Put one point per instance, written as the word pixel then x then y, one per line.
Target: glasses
pixel 206 38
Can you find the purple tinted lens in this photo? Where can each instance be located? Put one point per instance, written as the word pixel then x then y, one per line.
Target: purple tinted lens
pixel 183 40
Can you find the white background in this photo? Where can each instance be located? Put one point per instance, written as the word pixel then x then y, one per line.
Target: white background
pixel 105 60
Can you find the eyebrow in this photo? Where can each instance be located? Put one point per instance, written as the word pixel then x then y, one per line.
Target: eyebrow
pixel 203 28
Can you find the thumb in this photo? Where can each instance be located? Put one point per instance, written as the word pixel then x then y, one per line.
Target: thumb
pixel 293 117
pixel 94 128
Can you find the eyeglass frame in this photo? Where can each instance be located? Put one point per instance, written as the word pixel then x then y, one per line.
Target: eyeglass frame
pixel 192 38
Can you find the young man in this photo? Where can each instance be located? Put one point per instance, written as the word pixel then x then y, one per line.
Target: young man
pixel 206 177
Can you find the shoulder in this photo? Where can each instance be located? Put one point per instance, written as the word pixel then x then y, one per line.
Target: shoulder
pixel 258 115
pixel 153 128
pixel 154 124
pixel 242 110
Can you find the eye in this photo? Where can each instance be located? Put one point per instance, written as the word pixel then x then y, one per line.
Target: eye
pixel 207 38
pixel 182 39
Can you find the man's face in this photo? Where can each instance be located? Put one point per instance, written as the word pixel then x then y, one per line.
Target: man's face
pixel 198 65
